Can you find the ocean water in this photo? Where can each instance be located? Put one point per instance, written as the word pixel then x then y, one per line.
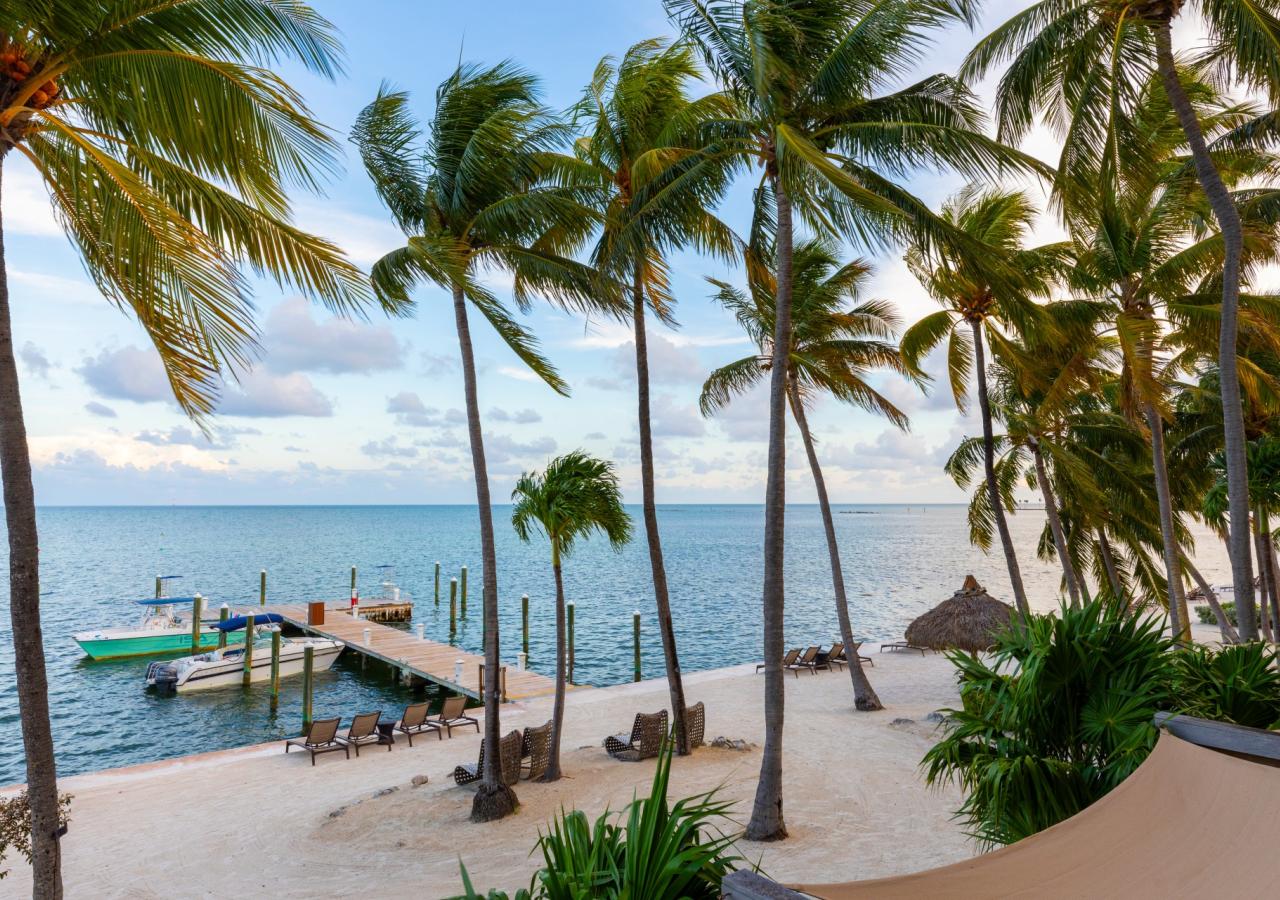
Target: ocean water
pixel 898 561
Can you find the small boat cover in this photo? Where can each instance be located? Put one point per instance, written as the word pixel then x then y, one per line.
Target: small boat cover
pixel 235 623
pixel 165 601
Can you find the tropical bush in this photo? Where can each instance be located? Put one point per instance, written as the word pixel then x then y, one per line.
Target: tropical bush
pixel 652 850
pixel 15 824
pixel 1062 712
pixel 1205 613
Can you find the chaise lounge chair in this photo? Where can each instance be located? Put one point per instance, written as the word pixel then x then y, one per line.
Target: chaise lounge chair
pixel 537 750
pixel 453 715
pixel 787 661
pixel 902 645
pixel 509 748
pixel 839 657
pixel 647 734
pixel 363 730
pixel 321 737
pixel 414 721
pixel 810 660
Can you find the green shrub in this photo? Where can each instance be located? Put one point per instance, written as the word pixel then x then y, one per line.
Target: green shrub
pixel 15 824
pixel 656 851
pixel 1239 683
pixel 1206 616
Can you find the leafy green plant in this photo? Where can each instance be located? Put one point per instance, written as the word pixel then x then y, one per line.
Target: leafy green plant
pixel 654 850
pixel 1205 613
pixel 1239 684
pixel 15 824
pixel 1059 716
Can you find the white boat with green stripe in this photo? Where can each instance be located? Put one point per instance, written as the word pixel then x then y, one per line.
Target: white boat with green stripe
pixel 166 628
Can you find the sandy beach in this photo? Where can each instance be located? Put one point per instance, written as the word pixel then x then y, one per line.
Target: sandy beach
pixel 254 822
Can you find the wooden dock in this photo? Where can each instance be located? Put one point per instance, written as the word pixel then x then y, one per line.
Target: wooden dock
pixel 424 658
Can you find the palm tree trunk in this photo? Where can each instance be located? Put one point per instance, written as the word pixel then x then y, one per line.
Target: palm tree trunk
pixel 657 568
pixel 1224 210
pixel 989 467
pixel 562 654
pixel 767 823
pixel 1055 526
pixel 24 611
pixel 1229 635
pixel 1264 577
pixel 864 695
pixel 493 799
pixel 1109 563
pixel 1274 568
pixel 1177 596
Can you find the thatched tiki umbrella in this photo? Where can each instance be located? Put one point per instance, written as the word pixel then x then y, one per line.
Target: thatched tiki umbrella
pixel 969 620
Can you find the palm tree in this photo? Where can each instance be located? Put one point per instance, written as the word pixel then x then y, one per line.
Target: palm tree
pixel 998 221
pixel 576 496
pixel 639 122
pixel 1073 63
pixel 487 191
pixel 834 347
pixel 165 147
pixel 804 77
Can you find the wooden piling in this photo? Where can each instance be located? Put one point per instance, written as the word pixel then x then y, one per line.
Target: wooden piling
pixel 570 609
pixel 524 621
pixel 196 610
pixel 275 670
pixel 437 582
pixel 262 588
pixel 635 630
pixel 464 592
pixel 248 650
pixel 353 581
pixel 308 671
pixel 223 614
pixel 159 587
pixel 453 606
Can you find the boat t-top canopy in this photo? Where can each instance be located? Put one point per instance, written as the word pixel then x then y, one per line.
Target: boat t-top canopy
pixel 235 623
pixel 166 601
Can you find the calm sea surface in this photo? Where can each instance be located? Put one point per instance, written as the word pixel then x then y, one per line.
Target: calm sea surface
pixel 899 561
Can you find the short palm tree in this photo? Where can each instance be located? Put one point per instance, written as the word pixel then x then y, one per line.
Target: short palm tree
pixel 807 79
pixel 576 496
pixel 977 311
pixel 166 148
pixel 1073 63
pixel 836 343
pixel 488 190
pixel 640 130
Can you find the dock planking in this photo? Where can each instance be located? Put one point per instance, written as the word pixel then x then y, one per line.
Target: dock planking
pixel 425 658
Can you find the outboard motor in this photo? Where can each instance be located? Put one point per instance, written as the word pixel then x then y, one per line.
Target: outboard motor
pixel 163 676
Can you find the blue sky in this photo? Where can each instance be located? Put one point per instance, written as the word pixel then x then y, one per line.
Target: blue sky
pixel 343 412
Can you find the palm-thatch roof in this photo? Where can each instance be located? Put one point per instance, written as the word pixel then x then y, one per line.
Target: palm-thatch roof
pixel 968 620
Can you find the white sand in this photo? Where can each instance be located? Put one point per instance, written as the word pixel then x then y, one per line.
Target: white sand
pixel 254 822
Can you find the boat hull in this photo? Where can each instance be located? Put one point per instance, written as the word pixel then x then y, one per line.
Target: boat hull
pixel 175 641
pixel 231 672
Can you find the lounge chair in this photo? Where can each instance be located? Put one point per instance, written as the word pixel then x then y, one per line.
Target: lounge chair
pixel 414 721
pixel 902 645
pixel 695 719
pixel 321 737
pixel 787 661
pixel 509 748
pixel 453 715
pixel 363 730
pixel 537 750
pixel 647 734
pixel 839 657
pixel 809 660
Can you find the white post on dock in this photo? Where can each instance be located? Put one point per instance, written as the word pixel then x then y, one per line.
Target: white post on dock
pixel 366 637
pixel 421 627
pixel 457 671
pixel 522 659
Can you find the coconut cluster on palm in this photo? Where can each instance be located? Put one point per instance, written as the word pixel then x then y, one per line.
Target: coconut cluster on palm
pixel 968 620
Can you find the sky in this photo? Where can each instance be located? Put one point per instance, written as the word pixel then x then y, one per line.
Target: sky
pixel 339 411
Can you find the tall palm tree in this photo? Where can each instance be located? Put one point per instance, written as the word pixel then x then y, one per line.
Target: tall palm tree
pixel 640 124
pixel 166 148
pixel 976 312
pixel 576 496
pixel 834 347
pixel 806 78
pixel 1072 62
pixel 488 190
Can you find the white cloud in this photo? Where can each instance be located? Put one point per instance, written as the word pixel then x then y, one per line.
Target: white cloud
pixel 263 394
pixel 35 361
pixel 296 342
pixel 127 373
pixel 519 417
pixel 26 204
pixel 94 408
pixel 366 239
pixel 674 419
pixel 388 447
pixel 518 374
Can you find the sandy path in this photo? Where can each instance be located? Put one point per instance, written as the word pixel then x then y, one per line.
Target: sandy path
pixel 253 822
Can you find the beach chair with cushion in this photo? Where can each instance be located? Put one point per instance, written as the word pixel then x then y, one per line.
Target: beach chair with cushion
pixel 537 750
pixel 787 661
pixel 647 734
pixel 414 721
pixel 695 719
pixel 322 737
pixel 509 759
pixel 453 715
pixel 363 730
pixel 809 660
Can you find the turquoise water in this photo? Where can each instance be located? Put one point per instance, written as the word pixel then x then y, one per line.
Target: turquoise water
pixel 899 561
